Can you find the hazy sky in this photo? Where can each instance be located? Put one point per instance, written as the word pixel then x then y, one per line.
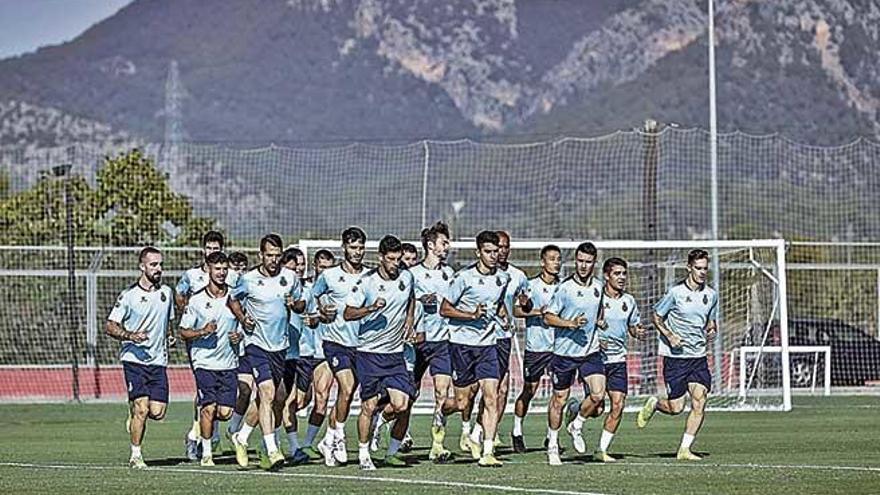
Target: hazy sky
pixel 26 25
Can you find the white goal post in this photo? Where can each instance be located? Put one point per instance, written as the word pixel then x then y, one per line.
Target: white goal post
pixel 753 298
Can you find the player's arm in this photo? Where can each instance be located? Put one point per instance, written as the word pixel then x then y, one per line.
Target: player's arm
pixel 294 300
pixel 712 324
pixel 188 334
pixel 634 324
pixel 660 324
pixel 409 323
pixel 356 306
pixel 525 311
pixel 234 305
pixel 181 293
pixel 554 320
pixel 116 331
pixel 448 308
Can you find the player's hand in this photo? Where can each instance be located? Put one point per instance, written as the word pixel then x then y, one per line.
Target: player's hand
pixel 328 311
pixel 674 340
pixel 603 344
pixel 138 337
pixel 479 311
pixel 602 324
pixel 210 328
pixel 522 299
pixel 379 304
pixel 235 338
pixel 640 331
pixel 249 323
pixel 418 338
pixel 428 299
pixel 579 321
pixel 289 301
pixel 711 333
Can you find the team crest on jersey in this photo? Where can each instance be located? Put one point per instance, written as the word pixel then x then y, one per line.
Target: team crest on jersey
pixel 342 278
pixel 596 292
pixel 208 305
pixel 163 297
pixel 354 288
pixel 705 299
pixel 608 305
pixel 624 307
pixel 335 361
pixel 283 282
pixel 498 281
pixel 401 286
pixel 427 275
pixel 260 282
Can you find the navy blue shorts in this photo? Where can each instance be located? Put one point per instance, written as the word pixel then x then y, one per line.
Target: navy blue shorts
pixel 564 369
pixel 216 387
pixel 340 357
pixel 472 363
pixel 305 372
pixel 503 356
pixel 535 365
pixel 290 373
pixel 679 372
pixel 379 372
pixel 433 356
pixel 244 366
pixel 142 380
pixel 266 365
pixel 616 377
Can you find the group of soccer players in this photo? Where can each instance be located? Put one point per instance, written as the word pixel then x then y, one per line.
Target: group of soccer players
pixel 266 342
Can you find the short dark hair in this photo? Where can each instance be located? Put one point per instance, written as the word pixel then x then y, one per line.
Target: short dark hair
pixel 273 240
pixel 324 254
pixel 697 254
pixel 487 237
pixel 587 248
pixel 237 258
pixel 610 263
pixel 431 233
pixel 213 236
pixel 217 257
pixel 548 248
pixel 390 244
pixel 502 233
pixel 147 250
pixel 407 247
pixel 291 254
pixel 353 234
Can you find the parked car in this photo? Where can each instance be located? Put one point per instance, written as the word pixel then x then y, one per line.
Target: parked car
pixel 855 355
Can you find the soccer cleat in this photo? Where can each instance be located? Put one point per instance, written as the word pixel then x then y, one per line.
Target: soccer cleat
pixel 265 464
pixel 553 456
pixel 438 434
pixel 438 454
pixel 474 448
pixel 464 442
pixel 407 444
pixel 489 460
pixel 519 444
pixel 191 448
pixel 313 453
pixel 241 453
pixel 603 457
pixel 576 438
pixel 327 452
pixel 276 461
pixel 394 461
pixel 339 452
pixel 298 457
pixel 687 455
pixel 137 462
pixel 547 445
pixel 366 464
pixel 207 462
pixel 647 412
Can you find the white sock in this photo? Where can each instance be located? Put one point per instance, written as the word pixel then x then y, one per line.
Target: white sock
pixel 686 441
pixel 329 435
pixel 135 451
pixel 206 448
pixel 269 441
pixel 605 440
pixel 466 428
pixel 476 433
pixel 234 423
pixel 311 433
pixel 293 441
pixel 364 450
pixel 340 430
pixel 552 437
pixel 578 422
pixel 517 426
pixel 244 432
pixel 488 446
pixel 393 446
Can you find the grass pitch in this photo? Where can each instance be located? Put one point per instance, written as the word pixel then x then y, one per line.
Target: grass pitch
pixel 825 445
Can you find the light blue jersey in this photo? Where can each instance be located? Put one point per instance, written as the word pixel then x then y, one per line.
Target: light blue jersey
pixel 431 281
pixel 470 288
pixel 519 282
pixel 539 335
pixel 264 300
pixel 139 310
pixel 299 334
pixel 620 314
pixel 192 281
pixel 214 351
pixel 383 330
pixel 570 300
pixel 333 287
pixel 687 312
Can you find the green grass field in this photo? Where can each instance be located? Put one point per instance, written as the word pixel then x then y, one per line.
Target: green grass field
pixel 829 445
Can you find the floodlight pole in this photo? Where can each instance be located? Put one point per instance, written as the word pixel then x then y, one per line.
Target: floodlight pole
pixel 713 159
pixel 63 172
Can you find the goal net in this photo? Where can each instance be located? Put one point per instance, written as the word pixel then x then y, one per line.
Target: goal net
pixel 748 357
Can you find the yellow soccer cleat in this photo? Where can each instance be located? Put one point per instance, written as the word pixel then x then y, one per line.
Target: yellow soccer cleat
pixel 603 457
pixel 464 442
pixel 474 448
pixel 439 454
pixel 438 434
pixel 241 453
pixel 207 462
pixel 489 460
pixel 687 455
pixel 276 460
pixel 647 412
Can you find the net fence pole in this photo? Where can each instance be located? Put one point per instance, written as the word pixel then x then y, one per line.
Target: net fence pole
pixel 713 160
pixel 425 185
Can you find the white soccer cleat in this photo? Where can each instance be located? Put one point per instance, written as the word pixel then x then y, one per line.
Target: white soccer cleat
pixel 576 438
pixel 339 452
pixel 366 464
pixel 327 452
pixel 553 455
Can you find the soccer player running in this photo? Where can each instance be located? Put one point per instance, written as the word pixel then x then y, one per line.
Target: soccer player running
pixel 192 281
pixel 261 302
pixel 238 264
pixel 340 338
pixel 211 331
pixel 686 320
pixel 622 320
pixel 139 319
pixel 471 304
pixel 575 313
pixel 539 337
pixel 382 301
